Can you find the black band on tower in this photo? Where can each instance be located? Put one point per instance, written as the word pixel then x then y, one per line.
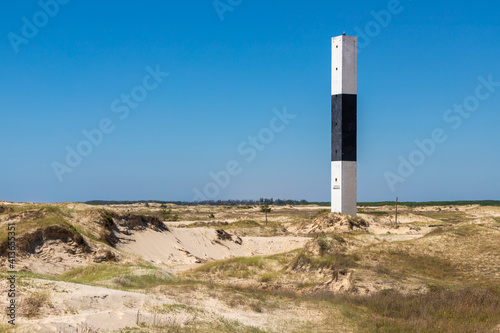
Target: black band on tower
pixel 344 133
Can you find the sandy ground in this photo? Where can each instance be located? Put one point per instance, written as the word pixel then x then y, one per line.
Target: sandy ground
pixel 77 306
pixel 181 248
pixel 80 308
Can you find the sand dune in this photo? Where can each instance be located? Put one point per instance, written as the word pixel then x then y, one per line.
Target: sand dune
pixel 105 250
pixel 180 248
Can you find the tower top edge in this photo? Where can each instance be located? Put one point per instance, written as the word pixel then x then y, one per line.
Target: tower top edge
pixel 344 36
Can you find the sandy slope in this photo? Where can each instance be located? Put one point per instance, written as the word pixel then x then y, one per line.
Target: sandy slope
pixel 180 248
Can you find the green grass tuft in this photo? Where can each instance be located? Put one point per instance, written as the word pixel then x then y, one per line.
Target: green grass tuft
pixel 234 267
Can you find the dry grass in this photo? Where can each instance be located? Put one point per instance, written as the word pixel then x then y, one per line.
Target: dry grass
pixel 408 264
pixel 286 214
pixel 45 220
pixel 445 216
pixel 84 328
pixel 214 324
pixel 235 267
pixel 225 225
pixel 7 328
pixel 331 261
pixel 121 276
pixel 467 309
pixel 31 304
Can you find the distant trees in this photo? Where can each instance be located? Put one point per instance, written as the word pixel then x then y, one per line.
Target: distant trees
pixel 269 201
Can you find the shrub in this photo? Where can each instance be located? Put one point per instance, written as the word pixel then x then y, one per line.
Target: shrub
pixel 31 304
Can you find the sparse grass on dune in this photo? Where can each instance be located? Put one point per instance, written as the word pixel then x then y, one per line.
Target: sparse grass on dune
pixel 222 325
pixel 458 309
pixel 283 271
pixel 467 309
pixel 143 281
pixel 316 315
pixel 169 308
pixel 421 265
pixel 18 208
pixel 216 325
pixel 407 260
pixel 242 224
pixel 37 217
pixel 206 214
pixel 254 228
pixel 83 275
pixel 225 225
pixel 31 303
pixel 95 273
pixel 373 212
pixel 34 217
pixel 247 270
pixel 118 276
pixel 431 203
pixel 457 231
pixel 241 267
pixel 28 226
pixel 332 261
pixel 448 256
pixel 244 227
pixel 235 266
pixel 447 217
pixel 7 328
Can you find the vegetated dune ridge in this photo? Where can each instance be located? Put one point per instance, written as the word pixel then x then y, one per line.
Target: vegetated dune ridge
pixel 127 268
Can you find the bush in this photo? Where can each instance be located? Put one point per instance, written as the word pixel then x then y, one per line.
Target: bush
pixel 167 215
pixel 31 304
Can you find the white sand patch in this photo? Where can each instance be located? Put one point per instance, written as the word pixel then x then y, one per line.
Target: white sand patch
pixel 181 248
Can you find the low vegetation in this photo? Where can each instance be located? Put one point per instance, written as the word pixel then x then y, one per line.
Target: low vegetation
pixel 372 212
pixel 466 309
pixel 410 204
pixel 31 303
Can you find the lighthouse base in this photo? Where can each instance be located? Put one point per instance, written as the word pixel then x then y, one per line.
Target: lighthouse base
pixel 344 195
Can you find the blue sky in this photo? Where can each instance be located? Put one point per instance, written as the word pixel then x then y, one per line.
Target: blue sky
pixel 231 71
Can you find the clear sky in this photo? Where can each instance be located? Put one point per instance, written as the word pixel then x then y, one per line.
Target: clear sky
pixel 88 110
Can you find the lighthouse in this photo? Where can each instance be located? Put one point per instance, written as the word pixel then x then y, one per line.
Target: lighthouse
pixel 344 124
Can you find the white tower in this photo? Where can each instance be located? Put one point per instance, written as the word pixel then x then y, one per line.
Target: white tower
pixel 344 109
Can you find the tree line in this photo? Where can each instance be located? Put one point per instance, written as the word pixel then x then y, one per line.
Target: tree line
pixel 261 201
